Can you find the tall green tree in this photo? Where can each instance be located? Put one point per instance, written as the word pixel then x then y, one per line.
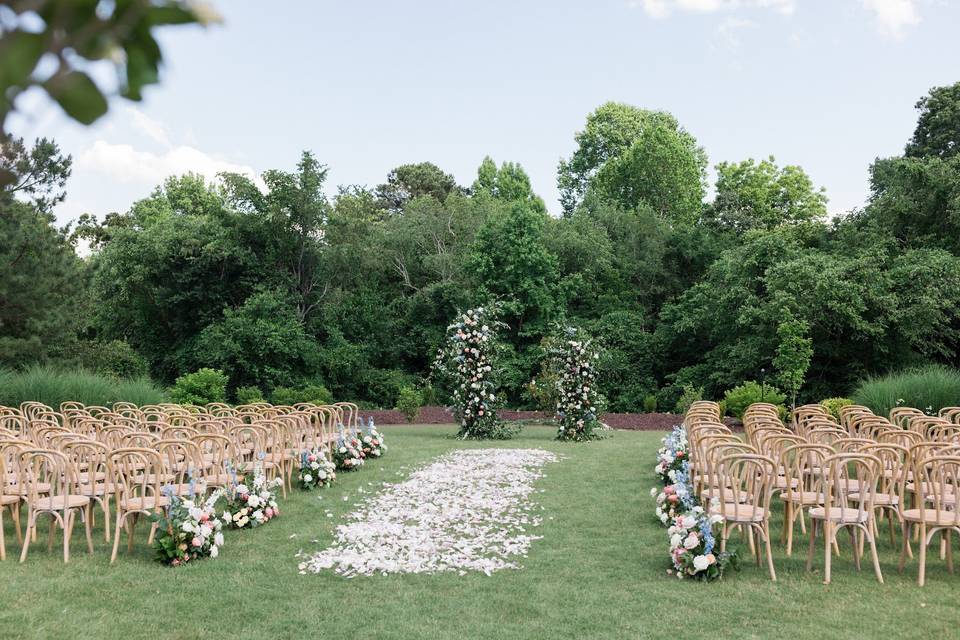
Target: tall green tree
pixel 794 352
pixel 752 195
pixel 663 169
pixel 410 181
pixel 43 285
pixel 610 132
pixel 938 128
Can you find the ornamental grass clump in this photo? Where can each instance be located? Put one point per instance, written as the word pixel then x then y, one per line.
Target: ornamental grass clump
pixel 573 359
pixel 468 360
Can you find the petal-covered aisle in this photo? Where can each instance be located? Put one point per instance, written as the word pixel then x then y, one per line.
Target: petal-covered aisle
pixel 469 510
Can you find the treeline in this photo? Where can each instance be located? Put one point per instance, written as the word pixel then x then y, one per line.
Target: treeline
pixel 290 286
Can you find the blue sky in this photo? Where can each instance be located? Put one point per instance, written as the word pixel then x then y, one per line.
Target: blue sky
pixel 369 85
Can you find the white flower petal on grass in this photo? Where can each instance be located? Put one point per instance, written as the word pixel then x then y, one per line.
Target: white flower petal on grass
pixel 467 511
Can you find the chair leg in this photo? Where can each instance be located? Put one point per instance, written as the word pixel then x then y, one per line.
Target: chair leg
pixel 106 518
pixel 3 542
pixel 949 543
pixel 789 519
pixel 131 529
pixel 116 536
pixel 855 543
pixel 923 554
pixel 31 529
pixel 803 526
pixel 876 560
pixel 893 541
pixel 15 511
pixel 906 543
pixel 53 530
pixel 766 542
pixel 813 536
pixel 68 518
pixel 88 526
pixel 828 538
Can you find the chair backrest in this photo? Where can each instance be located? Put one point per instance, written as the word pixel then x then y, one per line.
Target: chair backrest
pixel 138 440
pixel 851 445
pixel 899 415
pixel 10 449
pixel 894 461
pixel 46 473
pixel 803 463
pixel 90 459
pixel 826 436
pixel 746 479
pixel 849 481
pixel 182 462
pixel 940 478
pixel 899 436
pixel 137 473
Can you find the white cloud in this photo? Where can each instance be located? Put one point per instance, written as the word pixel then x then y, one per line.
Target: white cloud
pixel 150 127
pixel 663 8
pixel 893 16
pixel 123 163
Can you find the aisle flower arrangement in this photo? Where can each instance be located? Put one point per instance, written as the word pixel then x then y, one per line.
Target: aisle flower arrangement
pixel 187 530
pixel 251 506
pixel 348 451
pixel 467 360
pixel 673 456
pixel 690 528
pixel 371 441
pixel 573 359
pixel 316 470
pixel 693 547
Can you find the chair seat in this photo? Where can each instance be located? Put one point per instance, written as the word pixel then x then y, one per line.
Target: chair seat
pixel 781 483
pixel 741 512
pixel 946 519
pixel 146 503
pixel 56 503
pixel 839 514
pixel 41 487
pixel 6 499
pixel 879 499
pixel 98 489
pixel 804 497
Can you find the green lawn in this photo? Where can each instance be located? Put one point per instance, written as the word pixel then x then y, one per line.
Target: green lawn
pixel 599 572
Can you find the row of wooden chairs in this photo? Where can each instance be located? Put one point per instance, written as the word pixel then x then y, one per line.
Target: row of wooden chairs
pixel 56 465
pixel 821 467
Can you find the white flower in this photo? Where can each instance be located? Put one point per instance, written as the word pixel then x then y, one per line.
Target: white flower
pixel 254 501
pixel 195 513
pixel 675 541
pixel 691 542
pixel 227 516
pixel 214 552
pixel 187 526
pixel 700 563
pixel 689 522
pixel 308 478
pixel 653 491
pixel 218 539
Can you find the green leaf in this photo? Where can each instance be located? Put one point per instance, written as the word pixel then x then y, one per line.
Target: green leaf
pixel 19 53
pixel 77 94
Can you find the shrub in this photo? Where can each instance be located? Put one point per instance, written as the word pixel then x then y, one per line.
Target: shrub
pixel 114 358
pixel 200 387
pixel 650 404
pixel 739 398
pixel 51 386
pixel 314 392
pixel 428 396
pixel 248 395
pixel 688 396
pixel 408 403
pixel 928 388
pixel 833 405
pixel 384 385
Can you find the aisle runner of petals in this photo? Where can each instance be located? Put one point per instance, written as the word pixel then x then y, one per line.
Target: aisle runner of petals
pixel 467 511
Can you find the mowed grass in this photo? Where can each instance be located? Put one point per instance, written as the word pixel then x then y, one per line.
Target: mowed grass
pixel 599 572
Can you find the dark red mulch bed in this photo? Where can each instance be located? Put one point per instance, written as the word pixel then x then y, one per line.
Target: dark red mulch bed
pixel 632 421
